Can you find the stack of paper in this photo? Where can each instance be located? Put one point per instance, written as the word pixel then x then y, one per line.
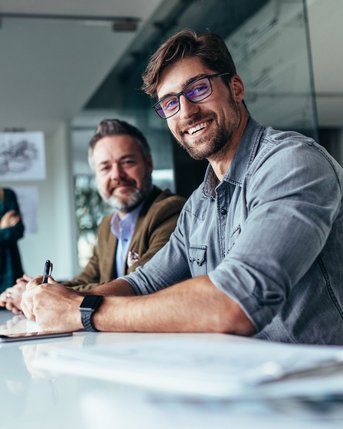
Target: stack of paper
pixel 194 365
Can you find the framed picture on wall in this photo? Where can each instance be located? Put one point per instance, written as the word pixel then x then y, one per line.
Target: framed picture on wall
pixel 22 156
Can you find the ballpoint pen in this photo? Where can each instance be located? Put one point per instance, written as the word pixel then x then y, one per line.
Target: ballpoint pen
pixel 47 270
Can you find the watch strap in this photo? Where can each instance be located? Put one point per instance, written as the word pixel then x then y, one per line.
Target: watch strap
pixel 86 319
pixel 87 310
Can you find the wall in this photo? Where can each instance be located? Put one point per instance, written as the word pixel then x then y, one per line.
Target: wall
pixel 54 239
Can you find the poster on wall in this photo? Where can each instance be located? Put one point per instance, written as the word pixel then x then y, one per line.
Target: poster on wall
pixel 28 202
pixel 22 156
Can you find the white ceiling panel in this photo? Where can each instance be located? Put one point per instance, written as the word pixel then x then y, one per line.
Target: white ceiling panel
pixel 139 8
pixel 50 68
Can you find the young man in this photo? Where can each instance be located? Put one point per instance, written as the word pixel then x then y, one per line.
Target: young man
pixel 257 249
pixel 144 216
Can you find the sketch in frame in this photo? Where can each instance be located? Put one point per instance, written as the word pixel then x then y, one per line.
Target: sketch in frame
pixel 22 156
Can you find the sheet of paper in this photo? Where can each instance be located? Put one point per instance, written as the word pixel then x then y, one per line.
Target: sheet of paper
pixel 194 365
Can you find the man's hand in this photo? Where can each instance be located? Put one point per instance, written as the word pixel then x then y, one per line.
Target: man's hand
pixel 9 219
pixel 52 305
pixel 11 297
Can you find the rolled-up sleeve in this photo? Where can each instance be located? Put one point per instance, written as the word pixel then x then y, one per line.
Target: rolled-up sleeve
pixel 292 197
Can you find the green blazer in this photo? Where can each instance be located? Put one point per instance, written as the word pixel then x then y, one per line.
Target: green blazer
pixel 155 223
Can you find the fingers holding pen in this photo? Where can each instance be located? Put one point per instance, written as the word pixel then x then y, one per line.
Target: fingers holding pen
pixel 34 282
pixel 29 297
pixel 24 279
pixel 27 300
pixel 60 300
pixel 34 287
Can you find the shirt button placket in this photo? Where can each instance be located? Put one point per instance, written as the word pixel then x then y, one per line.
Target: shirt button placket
pixel 222 222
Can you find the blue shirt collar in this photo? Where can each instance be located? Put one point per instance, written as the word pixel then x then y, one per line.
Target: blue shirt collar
pixel 123 228
pixel 246 152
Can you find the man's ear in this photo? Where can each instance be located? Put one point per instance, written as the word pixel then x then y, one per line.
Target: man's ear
pixel 237 86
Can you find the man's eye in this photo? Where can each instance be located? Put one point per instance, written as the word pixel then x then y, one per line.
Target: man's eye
pixel 127 163
pixel 197 90
pixel 170 104
pixel 103 168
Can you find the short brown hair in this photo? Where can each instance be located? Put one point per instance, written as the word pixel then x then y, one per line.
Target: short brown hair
pixel 209 47
pixel 116 127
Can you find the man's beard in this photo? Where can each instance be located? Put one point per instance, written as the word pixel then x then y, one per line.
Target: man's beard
pixel 213 145
pixel 133 200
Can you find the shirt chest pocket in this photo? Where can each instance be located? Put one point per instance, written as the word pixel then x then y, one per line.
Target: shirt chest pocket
pixel 232 240
pixel 197 260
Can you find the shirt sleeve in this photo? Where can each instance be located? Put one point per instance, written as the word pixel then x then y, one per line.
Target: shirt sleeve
pixel 167 267
pixel 292 199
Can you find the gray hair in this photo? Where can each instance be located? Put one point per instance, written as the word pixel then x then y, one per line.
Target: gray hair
pixel 116 127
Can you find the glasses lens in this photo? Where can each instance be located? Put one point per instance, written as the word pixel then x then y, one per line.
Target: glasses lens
pixel 159 111
pixel 168 107
pixel 194 92
pixel 198 90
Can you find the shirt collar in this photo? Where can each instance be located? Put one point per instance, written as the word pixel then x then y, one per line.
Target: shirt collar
pixel 128 222
pixel 242 160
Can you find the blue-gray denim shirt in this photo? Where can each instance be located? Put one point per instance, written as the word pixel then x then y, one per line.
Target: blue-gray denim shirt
pixel 270 236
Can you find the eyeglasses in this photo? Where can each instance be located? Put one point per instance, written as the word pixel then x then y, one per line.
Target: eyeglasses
pixel 195 91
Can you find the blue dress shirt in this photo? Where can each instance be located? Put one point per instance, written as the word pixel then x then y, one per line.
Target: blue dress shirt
pixel 269 235
pixel 123 229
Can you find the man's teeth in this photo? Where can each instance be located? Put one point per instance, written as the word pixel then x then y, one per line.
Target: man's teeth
pixel 196 128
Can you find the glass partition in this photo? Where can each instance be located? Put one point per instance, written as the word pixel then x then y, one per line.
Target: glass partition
pixel 272 55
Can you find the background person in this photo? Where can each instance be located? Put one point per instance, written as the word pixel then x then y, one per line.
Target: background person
pixel 144 215
pixel 258 247
pixel 11 230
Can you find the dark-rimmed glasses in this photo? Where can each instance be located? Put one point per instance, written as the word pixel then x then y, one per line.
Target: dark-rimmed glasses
pixel 195 91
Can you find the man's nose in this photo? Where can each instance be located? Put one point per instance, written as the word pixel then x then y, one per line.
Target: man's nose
pixel 116 171
pixel 187 108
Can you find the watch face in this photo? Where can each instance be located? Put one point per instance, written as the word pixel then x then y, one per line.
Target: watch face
pixel 91 302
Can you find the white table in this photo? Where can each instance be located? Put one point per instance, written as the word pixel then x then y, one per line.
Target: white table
pixel 30 399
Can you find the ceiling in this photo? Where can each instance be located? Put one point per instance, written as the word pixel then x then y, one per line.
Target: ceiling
pixel 50 67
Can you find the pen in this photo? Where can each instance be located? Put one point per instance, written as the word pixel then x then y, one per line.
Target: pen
pixel 47 270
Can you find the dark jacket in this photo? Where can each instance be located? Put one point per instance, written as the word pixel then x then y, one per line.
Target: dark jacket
pixel 10 261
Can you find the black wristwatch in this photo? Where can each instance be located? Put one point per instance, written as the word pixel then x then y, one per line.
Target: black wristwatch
pixel 87 307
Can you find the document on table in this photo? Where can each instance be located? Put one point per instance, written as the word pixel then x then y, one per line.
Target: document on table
pixel 198 366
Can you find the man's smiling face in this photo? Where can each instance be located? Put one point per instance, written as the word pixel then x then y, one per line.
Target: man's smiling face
pixel 206 127
pixel 123 175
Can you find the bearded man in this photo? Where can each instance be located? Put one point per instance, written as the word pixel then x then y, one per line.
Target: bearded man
pixel 144 215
